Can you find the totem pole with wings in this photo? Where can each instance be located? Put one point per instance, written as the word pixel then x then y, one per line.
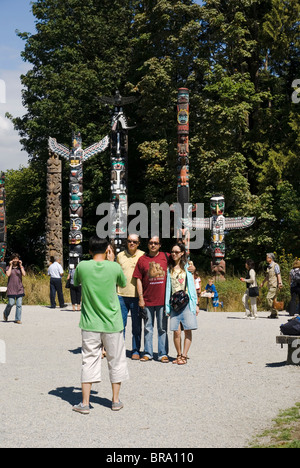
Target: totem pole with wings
pixel 76 157
pixel 119 168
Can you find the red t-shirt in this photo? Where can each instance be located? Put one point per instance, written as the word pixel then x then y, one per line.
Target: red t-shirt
pixel 152 271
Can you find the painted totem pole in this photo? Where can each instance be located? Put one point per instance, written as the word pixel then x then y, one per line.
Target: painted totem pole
pixel 119 168
pixel 218 224
pixel 76 157
pixel 3 231
pixel 183 188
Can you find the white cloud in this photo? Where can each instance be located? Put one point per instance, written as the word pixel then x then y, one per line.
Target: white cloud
pixel 11 156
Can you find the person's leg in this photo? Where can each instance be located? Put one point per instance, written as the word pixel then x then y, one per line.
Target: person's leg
pixel 253 301
pixel 148 333
pixel 117 364
pixel 9 306
pixel 177 343
pixel 245 300
pixel 270 298
pixel 162 328
pixel 136 322
pixel 19 309
pixel 187 342
pixel 73 296
pixel 52 293
pixel 91 362
pixel 60 295
pixel 124 311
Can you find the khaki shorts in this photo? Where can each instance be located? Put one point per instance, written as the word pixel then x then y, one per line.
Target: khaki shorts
pixel 114 345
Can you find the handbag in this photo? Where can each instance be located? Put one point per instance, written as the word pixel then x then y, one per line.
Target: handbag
pixel 179 300
pixel 68 284
pixel 254 292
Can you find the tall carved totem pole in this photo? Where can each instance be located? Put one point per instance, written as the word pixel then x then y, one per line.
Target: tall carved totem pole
pixel 119 168
pixel 54 241
pixel 183 186
pixel 3 232
pixel 76 157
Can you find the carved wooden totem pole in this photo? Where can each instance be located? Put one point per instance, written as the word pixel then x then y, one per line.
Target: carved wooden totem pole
pixel 183 187
pixel 3 232
pixel 119 168
pixel 54 241
pixel 218 225
pixel 76 157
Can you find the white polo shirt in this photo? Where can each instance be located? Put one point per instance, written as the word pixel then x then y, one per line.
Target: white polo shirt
pixel 55 270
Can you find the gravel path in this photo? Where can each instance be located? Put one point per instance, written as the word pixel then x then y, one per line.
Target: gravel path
pixel 235 382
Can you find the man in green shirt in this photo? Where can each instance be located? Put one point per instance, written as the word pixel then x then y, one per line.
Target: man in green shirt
pixel 101 322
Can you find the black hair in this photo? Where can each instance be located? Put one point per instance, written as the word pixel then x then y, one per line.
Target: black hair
pixel 250 264
pixel 97 245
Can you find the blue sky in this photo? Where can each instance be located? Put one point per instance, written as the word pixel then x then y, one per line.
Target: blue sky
pixel 14 15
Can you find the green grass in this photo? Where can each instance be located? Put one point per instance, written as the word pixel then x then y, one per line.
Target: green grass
pixel 285 432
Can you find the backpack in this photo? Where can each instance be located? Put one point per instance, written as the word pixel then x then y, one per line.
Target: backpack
pixel 292 327
pixel 296 277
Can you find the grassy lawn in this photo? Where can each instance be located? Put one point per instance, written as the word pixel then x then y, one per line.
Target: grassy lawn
pixel 285 432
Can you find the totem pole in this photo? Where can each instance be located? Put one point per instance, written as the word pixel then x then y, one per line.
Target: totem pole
pixel 3 231
pixel 183 189
pixel 218 224
pixel 119 168
pixel 54 242
pixel 76 157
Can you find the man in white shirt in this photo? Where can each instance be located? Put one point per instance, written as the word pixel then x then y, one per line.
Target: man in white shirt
pixel 55 271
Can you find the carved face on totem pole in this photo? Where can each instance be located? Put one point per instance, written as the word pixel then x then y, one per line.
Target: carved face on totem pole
pixel 217 207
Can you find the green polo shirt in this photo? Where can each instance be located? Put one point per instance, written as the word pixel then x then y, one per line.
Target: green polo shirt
pixel 100 309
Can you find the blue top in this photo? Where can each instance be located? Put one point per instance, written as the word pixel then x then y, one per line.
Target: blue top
pixel 191 291
pixel 212 289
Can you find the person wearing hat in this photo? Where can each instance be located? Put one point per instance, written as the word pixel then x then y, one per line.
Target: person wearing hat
pixel 273 277
pixel 295 286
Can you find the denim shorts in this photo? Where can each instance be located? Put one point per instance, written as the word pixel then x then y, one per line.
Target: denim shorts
pixel 186 318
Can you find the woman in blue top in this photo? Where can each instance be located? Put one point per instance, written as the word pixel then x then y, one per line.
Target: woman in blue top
pixel 178 276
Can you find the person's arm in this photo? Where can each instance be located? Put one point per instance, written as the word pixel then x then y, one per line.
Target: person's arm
pixel 121 280
pixel 139 286
pixel 8 272
pixel 22 268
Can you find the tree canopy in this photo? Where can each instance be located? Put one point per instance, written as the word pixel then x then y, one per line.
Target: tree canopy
pixel 239 61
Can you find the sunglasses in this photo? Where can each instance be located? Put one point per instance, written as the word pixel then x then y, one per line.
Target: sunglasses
pixel 154 243
pixel 132 242
pixel 176 252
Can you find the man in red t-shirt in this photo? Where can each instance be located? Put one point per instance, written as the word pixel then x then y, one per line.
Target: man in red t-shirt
pixel 151 274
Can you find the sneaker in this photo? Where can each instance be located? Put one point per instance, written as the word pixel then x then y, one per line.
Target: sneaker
pixel 81 409
pixel 117 406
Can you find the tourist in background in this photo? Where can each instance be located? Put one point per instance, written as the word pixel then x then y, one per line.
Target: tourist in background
pixel 75 291
pixel 15 289
pixel 55 271
pixel 295 287
pixel 273 278
pixel 252 291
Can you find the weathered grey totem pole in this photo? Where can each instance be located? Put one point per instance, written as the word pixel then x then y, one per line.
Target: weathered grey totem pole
pixel 76 157
pixel 119 168
pixel 3 231
pixel 54 241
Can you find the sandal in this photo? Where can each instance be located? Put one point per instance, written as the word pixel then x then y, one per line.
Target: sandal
pixel 182 360
pixel 165 359
pixel 145 359
pixel 177 359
